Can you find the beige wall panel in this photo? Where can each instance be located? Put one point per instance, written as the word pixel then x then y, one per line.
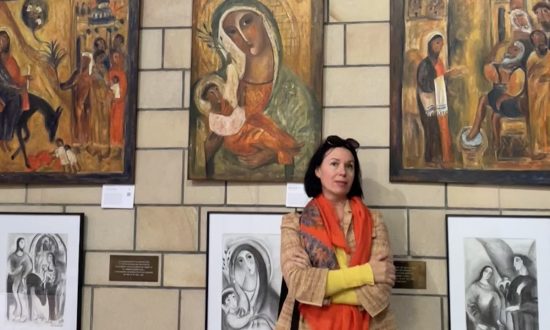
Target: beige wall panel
pixel 369 126
pixel 417 313
pixel 256 194
pixel 135 309
pixel 160 89
pixel 166 13
pixel 359 10
pixel 64 195
pixel 184 270
pixel 177 53
pixel 167 229
pixel 368 43
pixel 150 49
pixel 356 86
pixel 159 176
pixel 162 129
pixel 380 192
pixel 107 229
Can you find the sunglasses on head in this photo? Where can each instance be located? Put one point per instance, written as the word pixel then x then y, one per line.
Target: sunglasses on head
pixel 336 141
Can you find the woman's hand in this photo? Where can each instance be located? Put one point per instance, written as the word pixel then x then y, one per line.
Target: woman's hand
pixel 299 259
pixel 382 269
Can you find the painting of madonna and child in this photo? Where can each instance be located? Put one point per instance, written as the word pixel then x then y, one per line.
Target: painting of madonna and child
pixel 473 102
pixel 244 273
pixel 256 89
pixel 68 78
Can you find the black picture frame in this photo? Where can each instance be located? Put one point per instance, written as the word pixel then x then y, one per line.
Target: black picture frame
pixel 258 236
pixel 498 257
pixel 59 92
pixel 407 47
pixel 46 250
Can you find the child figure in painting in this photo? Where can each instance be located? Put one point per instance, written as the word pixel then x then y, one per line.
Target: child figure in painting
pixel 61 154
pixel 244 134
pixel 74 166
pixel 236 306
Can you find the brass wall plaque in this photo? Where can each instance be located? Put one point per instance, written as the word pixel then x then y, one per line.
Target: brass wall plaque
pixel 132 268
pixel 410 274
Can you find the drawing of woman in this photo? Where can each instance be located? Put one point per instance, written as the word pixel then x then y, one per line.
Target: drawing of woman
pixel 249 43
pixel 483 303
pixel 249 269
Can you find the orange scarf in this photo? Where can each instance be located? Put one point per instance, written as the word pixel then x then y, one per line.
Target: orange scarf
pixel 327 234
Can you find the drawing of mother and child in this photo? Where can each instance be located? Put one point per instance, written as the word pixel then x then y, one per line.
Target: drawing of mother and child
pixel 249 298
pixel 253 118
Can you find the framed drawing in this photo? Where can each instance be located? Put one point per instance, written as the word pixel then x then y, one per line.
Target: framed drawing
pixel 68 86
pixel 42 269
pixel 468 93
pixel 493 268
pixel 256 78
pixel 244 275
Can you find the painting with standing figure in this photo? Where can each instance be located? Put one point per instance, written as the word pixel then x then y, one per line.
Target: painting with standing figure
pixel 244 274
pixel 496 272
pixel 68 83
pixel 40 273
pixel 256 80
pixel 469 91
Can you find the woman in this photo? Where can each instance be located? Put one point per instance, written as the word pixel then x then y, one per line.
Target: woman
pixel 251 272
pixel 335 256
pixel 483 303
pixel 249 41
pixel 432 103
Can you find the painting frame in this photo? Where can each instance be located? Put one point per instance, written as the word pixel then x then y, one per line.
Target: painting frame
pixel 499 256
pixel 488 164
pixel 253 122
pixel 231 234
pixel 53 244
pixel 108 158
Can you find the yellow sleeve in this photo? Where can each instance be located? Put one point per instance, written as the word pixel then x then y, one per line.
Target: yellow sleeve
pixel 346 297
pixel 347 278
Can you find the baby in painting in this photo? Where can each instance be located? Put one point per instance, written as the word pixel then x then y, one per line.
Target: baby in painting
pixel 237 308
pixel 244 134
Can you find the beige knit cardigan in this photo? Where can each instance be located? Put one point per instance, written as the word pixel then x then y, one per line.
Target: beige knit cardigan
pixel 307 285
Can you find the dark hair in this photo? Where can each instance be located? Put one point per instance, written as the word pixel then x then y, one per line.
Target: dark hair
pixel 483 270
pixel 17 243
pixel 227 293
pixel 541 4
pixel 206 89
pixel 537 32
pixel 312 183
pixel 524 259
pixel 5 34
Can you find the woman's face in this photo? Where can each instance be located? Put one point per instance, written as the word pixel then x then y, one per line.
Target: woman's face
pixel 4 42
pixel 436 45
pixel 245 261
pixel 336 173
pixel 21 244
pixel 487 273
pixel 246 29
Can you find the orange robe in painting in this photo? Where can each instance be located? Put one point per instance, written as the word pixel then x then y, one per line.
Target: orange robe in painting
pixel 259 131
pixel 116 130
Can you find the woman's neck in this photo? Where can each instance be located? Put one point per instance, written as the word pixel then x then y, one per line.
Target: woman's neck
pixel 260 69
pixel 339 204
